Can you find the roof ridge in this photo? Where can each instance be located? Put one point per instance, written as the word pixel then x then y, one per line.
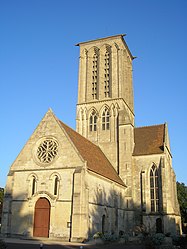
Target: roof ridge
pixel 146 126
pixel 103 38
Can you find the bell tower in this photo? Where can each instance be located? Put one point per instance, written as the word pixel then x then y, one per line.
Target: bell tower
pixel 105 106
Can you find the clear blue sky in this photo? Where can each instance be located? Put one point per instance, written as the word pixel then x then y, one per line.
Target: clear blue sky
pixel 39 65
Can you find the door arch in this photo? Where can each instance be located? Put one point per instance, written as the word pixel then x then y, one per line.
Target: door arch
pixel 159 225
pixel 41 218
pixel 104 224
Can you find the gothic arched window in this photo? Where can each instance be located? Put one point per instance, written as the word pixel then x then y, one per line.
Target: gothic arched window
pixel 56 185
pixel 33 185
pixel 93 121
pixel 154 189
pixel 107 90
pixel 106 119
pixel 94 76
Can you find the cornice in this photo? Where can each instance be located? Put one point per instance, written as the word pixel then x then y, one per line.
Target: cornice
pixel 105 101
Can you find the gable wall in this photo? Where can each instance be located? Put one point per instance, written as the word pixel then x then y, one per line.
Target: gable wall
pixel 48 127
pixel 21 203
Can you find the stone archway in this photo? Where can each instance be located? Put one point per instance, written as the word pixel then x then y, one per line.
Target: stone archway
pixel 41 218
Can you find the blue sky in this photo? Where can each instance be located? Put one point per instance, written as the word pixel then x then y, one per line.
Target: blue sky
pixel 39 65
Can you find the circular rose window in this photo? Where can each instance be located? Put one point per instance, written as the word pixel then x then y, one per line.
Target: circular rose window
pixel 47 151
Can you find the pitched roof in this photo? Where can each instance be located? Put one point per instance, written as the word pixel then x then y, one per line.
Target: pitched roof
pixel 96 160
pixel 149 140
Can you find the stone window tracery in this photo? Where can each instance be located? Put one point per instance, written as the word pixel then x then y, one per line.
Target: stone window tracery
pixel 106 119
pixel 47 151
pixel 93 121
pixel 154 189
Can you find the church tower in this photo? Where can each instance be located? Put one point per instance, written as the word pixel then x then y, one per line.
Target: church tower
pixel 72 187
pixel 105 107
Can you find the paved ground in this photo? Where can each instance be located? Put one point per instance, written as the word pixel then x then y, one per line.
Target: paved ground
pixel 32 244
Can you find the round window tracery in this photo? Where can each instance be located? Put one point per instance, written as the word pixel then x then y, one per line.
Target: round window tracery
pixel 47 151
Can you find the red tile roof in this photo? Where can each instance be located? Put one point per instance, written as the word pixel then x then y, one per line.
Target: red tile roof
pixel 149 140
pixel 96 160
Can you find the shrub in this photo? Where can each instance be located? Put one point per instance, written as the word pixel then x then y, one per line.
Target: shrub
pixel 109 237
pixel 140 229
pixel 180 241
pixel 149 243
pixel 126 237
pixel 121 234
pixel 158 238
pixel 168 234
pixel 2 244
pixel 98 235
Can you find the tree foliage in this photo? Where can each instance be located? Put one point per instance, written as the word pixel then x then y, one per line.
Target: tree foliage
pixel 1 206
pixel 182 198
pixel 1 194
pixel 2 244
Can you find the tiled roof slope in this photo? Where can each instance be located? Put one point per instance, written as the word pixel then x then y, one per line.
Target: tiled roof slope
pixel 149 140
pixel 96 160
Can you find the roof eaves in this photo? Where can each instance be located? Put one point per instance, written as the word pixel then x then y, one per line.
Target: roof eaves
pixel 118 182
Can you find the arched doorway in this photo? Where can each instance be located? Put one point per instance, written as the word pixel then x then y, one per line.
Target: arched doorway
pixel 104 224
pixel 159 225
pixel 41 218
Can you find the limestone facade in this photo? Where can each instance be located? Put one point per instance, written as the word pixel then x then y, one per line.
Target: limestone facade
pixel 107 176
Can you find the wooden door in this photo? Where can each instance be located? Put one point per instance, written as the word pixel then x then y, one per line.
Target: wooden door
pixel 41 218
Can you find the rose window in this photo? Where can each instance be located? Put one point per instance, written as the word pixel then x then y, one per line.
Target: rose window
pixel 47 151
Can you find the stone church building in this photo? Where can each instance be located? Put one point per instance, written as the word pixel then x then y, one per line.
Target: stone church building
pixel 107 176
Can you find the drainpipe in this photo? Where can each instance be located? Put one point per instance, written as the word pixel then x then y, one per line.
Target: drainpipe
pixel 141 194
pixel 71 215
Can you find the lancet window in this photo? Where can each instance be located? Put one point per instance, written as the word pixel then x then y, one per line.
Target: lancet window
pixel 154 189
pixel 94 76
pixel 93 121
pixel 56 185
pixel 106 119
pixel 107 90
pixel 33 185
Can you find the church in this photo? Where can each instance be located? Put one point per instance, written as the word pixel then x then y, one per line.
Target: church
pixel 108 176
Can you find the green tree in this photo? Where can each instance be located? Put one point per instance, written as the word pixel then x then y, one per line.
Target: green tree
pixel 1 203
pixel 1 194
pixel 182 198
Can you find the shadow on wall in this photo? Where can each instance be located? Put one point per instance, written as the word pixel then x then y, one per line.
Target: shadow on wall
pixel 109 213
pixel 17 217
pixel 112 214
